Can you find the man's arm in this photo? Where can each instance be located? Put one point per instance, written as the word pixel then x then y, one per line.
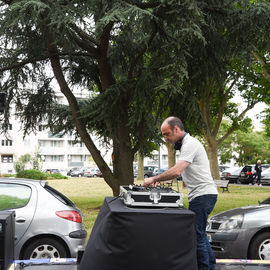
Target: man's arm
pixel 170 174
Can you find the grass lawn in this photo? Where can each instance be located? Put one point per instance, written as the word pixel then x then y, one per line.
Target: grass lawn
pixel 89 193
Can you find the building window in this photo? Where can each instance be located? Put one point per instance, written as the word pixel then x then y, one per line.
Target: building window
pixel 76 144
pixel 77 158
pixel 53 158
pixel 6 142
pixel 56 143
pixel 41 143
pixel 41 127
pixel 164 157
pixel 27 142
pixel 7 158
pixel 9 126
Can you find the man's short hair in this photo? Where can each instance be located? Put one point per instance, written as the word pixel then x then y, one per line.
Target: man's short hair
pixel 174 121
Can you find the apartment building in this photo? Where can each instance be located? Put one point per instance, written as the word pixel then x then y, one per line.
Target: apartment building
pixel 55 151
pixel 61 152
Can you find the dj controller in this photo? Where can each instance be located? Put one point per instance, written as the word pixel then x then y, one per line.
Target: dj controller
pixel 136 195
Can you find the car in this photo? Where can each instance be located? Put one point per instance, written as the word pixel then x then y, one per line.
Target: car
pixel 246 178
pixel 241 233
pixel 47 223
pixel 223 168
pixel 232 174
pixel 265 177
pixel 148 171
pixel 76 172
pixel 92 172
pixel 52 171
pixel 159 171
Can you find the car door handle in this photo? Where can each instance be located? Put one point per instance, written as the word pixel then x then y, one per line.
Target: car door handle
pixel 20 220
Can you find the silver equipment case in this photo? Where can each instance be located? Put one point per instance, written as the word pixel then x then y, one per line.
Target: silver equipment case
pixel 134 195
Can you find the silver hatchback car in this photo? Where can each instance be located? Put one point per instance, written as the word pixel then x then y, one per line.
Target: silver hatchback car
pixel 241 233
pixel 47 223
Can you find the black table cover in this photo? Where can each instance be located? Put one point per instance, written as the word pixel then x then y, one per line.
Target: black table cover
pixel 125 238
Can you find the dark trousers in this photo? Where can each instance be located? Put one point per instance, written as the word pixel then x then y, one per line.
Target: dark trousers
pixel 203 206
pixel 258 180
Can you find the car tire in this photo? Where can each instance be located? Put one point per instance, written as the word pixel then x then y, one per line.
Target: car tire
pixel 79 175
pixel 259 248
pixel 44 248
pixel 146 176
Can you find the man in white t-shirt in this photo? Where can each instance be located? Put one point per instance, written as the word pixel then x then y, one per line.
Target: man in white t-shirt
pixel 193 165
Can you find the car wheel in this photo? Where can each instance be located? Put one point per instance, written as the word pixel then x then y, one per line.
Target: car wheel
pixel 44 248
pixel 79 175
pixel 260 247
pixel 146 176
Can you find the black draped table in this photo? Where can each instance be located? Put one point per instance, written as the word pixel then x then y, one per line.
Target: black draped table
pixel 125 238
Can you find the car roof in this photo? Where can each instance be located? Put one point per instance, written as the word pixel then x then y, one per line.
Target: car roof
pixel 23 181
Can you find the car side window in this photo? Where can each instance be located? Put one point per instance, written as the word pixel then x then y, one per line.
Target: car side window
pixel 14 196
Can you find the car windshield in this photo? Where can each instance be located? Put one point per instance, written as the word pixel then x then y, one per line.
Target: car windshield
pixel 61 197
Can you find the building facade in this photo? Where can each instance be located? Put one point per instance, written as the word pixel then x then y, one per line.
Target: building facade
pixel 54 151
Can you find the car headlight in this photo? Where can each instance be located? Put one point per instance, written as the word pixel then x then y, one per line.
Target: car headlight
pixel 234 222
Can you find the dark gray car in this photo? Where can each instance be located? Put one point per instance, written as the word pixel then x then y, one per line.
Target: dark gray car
pixel 241 233
pixel 47 223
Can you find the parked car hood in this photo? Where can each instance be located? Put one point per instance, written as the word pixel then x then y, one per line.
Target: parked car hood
pixel 240 211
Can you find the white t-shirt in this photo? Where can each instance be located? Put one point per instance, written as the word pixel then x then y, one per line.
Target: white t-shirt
pixel 197 176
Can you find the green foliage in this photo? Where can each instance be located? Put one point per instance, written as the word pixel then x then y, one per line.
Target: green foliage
pixel 21 163
pixel 56 176
pixel 32 174
pixel 38 175
pixel 246 147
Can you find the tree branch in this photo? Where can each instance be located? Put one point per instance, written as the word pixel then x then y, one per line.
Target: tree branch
pixel 33 60
pixel 223 101
pixel 140 54
pixel 23 63
pixel 144 5
pixel 84 35
pixel 84 44
pixel 240 117
pixel 75 110
pixel 105 71
pixel 261 61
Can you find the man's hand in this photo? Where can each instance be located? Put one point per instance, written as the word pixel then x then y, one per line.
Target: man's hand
pixel 150 181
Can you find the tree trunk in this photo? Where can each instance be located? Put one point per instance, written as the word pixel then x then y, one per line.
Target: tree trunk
pixel 212 152
pixel 140 170
pixel 123 157
pixel 171 155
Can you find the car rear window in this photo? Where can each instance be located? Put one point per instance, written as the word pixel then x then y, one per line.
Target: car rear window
pixel 266 201
pixel 61 197
pixel 14 196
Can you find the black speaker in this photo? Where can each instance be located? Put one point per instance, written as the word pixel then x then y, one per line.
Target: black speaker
pixel 7 228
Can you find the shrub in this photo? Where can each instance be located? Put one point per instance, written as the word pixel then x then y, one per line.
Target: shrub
pixel 33 174
pixel 56 176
